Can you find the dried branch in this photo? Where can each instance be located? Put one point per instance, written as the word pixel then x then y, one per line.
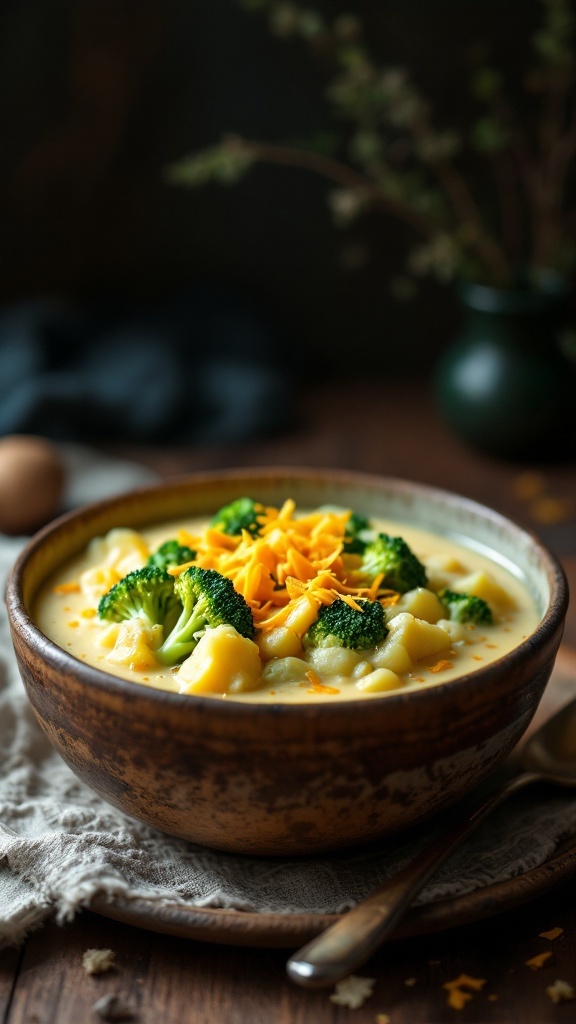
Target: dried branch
pixel 410 169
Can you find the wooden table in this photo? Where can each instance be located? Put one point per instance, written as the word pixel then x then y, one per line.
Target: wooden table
pixel 391 430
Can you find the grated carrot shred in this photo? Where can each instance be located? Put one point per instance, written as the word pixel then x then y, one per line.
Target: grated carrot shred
pixel 295 564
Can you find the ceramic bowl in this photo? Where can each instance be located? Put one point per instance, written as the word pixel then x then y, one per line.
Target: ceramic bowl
pixel 284 779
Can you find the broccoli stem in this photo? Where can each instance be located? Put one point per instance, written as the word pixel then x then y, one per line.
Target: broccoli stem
pixel 182 640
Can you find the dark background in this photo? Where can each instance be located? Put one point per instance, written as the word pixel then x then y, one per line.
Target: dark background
pixel 98 96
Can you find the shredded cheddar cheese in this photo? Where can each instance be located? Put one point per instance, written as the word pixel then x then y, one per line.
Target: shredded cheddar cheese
pixel 538 961
pixel 554 933
pixel 289 569
pixel 457 996
pixel 67 588
pixel 441 666
pixel 318 686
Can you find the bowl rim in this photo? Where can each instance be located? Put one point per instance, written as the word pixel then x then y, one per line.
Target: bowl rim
pixel 22 623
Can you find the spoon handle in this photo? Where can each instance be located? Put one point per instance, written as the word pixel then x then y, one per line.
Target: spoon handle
pixel 349 942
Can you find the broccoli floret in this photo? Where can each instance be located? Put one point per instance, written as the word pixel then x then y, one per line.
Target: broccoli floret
pixel 466 608
pixel 353 543
pixel 171 553
pixel 241 514
pixel 392 556
pixel 348 626
pixel 147 593
pixel 208 599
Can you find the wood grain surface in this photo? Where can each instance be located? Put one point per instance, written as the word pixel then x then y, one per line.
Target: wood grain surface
pixel 167 980
pixel 174 981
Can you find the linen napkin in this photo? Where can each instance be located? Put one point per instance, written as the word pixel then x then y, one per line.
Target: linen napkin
pixel 61 844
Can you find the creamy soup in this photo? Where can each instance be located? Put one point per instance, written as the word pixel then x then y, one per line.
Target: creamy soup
pixel 289 571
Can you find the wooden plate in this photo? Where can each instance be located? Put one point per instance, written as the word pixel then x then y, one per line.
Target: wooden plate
pixel 241 928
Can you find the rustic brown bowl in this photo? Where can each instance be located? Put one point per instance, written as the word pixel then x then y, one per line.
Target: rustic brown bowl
pixel 284 779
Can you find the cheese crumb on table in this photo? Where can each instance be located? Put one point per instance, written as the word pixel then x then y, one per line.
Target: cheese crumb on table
pixel 536 962
pixel 98 961
pixel 554 933
pixel 457 998
pixel 353 991
pixel 560 990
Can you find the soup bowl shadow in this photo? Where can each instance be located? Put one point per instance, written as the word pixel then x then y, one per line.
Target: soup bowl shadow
pixel 284 779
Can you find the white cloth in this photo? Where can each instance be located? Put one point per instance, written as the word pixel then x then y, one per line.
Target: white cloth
pixel 61 844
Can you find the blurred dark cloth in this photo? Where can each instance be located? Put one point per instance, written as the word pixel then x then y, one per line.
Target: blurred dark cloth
pixel 198 368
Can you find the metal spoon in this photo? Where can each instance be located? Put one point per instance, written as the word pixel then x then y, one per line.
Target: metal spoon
pixel 548 756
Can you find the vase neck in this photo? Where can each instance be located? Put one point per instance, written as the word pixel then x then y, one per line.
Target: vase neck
pixel 532 329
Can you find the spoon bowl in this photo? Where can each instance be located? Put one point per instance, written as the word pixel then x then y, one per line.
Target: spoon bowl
pixel 548 756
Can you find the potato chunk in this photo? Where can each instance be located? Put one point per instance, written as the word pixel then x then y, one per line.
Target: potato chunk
pixel 445 563
pixel 459 632
pixel 442 569
pixel 379 680
pixel 121 549
pixel 363 668
pixel 420 638
pixel 94 583
pixel 222 662
pixel 334 661
pixel 482 584
pixel 392 654
pixel 302 615
pixel 280 643
pixel 108 637
pixel 285 670
pixel 423 604
pixel 135 645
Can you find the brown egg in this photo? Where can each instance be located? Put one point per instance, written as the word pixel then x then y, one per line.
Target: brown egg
pixel 31 483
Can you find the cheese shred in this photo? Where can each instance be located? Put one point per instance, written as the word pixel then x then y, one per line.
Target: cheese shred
pixel 293 566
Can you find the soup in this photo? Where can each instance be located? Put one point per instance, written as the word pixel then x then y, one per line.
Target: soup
pixel 324 605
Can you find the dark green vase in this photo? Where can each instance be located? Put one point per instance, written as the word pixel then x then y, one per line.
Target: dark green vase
pixel 504 386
